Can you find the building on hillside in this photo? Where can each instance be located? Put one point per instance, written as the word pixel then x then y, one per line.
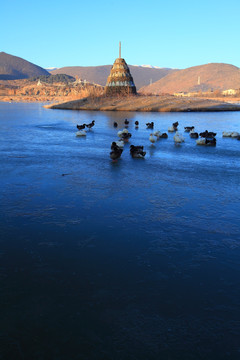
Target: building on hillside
pixel 229 92
pixel 120 81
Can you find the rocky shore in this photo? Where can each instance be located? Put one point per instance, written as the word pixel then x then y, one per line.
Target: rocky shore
pixel 32 91
pixel 165 103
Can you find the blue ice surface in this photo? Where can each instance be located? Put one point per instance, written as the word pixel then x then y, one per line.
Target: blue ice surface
pixel 137 259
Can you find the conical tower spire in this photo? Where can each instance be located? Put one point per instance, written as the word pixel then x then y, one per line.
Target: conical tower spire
pixel 120 80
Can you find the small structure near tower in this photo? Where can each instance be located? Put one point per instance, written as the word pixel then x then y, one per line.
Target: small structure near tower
pixel 120 81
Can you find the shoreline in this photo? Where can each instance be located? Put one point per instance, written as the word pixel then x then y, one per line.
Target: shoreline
pixel 146 103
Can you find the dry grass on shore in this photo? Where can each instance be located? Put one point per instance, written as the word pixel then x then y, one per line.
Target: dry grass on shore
pixel 164 103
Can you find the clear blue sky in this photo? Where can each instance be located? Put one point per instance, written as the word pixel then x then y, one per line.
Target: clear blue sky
pixel 175 34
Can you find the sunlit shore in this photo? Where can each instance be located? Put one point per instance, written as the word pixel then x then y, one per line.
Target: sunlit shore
pixel 165 103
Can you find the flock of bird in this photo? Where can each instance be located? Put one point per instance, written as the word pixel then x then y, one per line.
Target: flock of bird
pixel 207 138
pixel 81 131
pixel 124 136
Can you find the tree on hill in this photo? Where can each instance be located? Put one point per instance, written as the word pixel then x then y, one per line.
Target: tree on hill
pixel 51 79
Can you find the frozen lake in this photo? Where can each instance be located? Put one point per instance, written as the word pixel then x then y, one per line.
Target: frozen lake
pixel 138 259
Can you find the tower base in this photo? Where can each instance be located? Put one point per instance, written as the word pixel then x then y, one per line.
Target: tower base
pixel 120 90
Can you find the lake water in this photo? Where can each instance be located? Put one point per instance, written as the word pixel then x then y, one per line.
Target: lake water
pixel 138 259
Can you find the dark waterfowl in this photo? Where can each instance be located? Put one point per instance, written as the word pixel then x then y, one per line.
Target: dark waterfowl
pixel 117 144
pixel 150 125
pixel 116 151
pixel 114 145
pixel 163 136
pixel 136 123
pixel 136 147
pixel 89 126
pixel 211 134
pixel 81 127
pixel 208 134
pixel 137 152
pixel 126 136
pixel 175 125
pixel 115 124
pixel 193 135
pixel 188 128
pixel 126 122
pixel 210 142
pixel 206 142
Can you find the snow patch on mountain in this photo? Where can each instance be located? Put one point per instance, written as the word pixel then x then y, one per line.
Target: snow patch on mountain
pixel 150 66
pixel 51 68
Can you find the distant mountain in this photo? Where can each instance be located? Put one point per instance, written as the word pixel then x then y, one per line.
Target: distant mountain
pixel 98 74
pixel 214 76
pixel 13 67
pixel 51 68
pixel 150 66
